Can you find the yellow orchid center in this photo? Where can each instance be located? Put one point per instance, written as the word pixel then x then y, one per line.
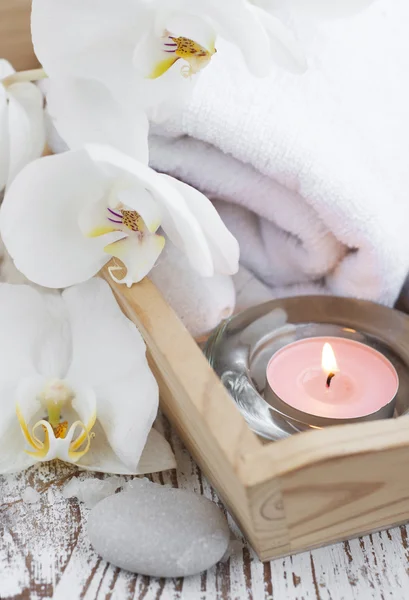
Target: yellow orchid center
pixel 119 219
pixel 138 248
pixel 175 48
pixel 126 218
pixel 44 436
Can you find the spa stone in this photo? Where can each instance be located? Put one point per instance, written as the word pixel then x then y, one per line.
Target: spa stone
pixel 158 530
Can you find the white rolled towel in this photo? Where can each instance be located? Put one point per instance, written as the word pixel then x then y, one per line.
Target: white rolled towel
pixel 311 172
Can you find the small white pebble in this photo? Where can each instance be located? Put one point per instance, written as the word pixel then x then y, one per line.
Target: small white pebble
pixel 30 496
pixel 154 530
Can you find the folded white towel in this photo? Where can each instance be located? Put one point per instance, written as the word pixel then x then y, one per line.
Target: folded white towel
pixel 311 172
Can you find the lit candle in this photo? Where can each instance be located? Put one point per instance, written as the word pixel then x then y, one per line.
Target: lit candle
pixel 331 378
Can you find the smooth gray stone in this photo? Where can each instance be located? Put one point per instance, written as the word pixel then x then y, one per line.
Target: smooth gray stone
pixel 158 530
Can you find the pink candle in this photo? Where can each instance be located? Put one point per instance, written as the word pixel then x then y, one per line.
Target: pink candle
pixel 332 377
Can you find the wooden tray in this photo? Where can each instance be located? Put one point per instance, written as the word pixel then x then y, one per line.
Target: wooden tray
pixel 312 489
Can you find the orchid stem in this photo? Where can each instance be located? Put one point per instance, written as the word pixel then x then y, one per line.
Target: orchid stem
pixel 24 76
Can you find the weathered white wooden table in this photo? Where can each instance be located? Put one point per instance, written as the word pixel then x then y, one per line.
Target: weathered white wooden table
pixel 45 553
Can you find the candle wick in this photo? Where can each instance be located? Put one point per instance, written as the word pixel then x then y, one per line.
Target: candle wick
pixel 329 379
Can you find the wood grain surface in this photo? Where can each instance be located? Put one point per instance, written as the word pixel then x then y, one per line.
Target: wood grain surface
pixel 45 553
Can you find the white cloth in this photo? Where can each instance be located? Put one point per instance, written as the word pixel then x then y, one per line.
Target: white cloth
pixel 312 171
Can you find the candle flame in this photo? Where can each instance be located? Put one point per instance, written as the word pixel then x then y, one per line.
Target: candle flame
pixel 328 362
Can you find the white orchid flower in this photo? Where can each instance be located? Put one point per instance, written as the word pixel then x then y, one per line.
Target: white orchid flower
pixel 74 383
pixel 65 216
pixel 150 50
pixel 186 31
pixel 22 136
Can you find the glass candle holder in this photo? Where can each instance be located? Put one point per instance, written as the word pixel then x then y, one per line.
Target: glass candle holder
pixel 242 347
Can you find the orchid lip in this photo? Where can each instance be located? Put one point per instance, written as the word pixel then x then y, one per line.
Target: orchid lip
pixel 113 221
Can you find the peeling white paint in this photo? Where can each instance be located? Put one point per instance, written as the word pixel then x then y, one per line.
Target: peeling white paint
pixel 45 553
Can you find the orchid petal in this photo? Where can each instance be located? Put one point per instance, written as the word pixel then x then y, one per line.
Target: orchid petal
pixel 73 40
pixel 26 397
pixel 117 48
pixel 26 126
pixel 84 111
pixel 158 103
pixel 138 254
pixel 239 24
pixel 284 49
pixel 109 354
pixel 100 456
pixel 54 347
pixel 23 325
pixel 13 457
pixel 39 220
pixel 177 220
pixel 330 8
pixel 160 87
pixel 85 405
pixel 105 344
pixel 149 58
pixel 223 245
pixel 93 221
pixel 260 36
pixel 157 455
pixel 33 340
pixel 127 409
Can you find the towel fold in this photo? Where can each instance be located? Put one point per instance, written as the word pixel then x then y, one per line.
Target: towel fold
pixel 311 172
